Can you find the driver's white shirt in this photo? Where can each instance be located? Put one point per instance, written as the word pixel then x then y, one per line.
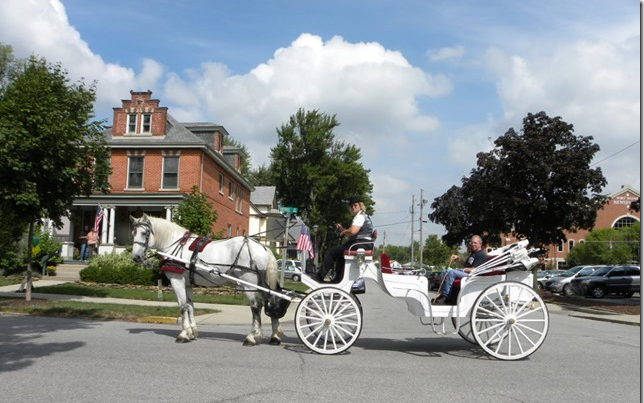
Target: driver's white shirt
pixel 358 220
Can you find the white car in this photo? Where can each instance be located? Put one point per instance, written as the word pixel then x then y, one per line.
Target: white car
pixel 292 270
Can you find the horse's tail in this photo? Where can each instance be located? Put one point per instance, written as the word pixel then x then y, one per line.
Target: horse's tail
pixel 271 271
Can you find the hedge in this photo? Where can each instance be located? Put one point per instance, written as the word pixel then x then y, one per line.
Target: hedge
pixel 119 268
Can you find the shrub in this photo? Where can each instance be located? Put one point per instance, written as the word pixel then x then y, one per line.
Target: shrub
pixel 119 268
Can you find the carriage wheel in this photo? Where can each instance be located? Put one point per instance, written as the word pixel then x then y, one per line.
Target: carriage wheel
pixel 465 331
pixel 510 320
pixel 328 320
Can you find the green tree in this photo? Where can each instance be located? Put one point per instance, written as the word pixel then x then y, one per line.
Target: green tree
pixel 51 150
pixel 435 252
pixel 196 214
pixel 401 254
pixel 261 176
pixel 534 184
pixel 607 246
pixel 317 173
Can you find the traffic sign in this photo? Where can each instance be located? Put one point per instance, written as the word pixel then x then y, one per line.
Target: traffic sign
pixel 288 210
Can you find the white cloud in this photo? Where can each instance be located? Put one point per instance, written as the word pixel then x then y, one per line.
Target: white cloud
pixel 445 54
pixel 41 28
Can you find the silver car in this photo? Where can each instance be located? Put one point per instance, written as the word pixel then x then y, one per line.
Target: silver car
pixel 292 269
pixel 561 283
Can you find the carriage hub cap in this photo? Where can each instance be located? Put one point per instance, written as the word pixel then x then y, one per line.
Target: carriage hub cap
pixel 511 321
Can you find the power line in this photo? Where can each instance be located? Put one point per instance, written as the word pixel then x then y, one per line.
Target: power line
pixel 612 155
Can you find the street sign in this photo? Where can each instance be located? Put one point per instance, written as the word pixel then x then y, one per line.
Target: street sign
pixel 284 210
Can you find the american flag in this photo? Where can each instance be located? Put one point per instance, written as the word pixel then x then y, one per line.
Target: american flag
pixel 99 218
pixel 304 241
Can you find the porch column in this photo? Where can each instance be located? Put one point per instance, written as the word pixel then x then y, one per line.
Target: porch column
pixel 111 229
pixel 105 225
pixel 168 213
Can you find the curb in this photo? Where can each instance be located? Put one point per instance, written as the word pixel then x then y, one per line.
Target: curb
pixel 621 322
pixel 157 319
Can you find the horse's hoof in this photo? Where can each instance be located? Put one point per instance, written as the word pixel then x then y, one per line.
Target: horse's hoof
pixel 182 340
pixel 275 341
pixel 248 343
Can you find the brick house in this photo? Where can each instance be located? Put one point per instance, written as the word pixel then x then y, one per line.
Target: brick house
pixel 615 214
pixel 156 161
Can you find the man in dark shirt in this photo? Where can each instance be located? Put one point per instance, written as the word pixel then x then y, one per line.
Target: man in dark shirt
pixel 476 258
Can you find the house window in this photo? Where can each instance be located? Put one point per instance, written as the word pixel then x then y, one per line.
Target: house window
pixel 229 231
pixel 221 184
pixel 170 173
pixel 571 244
pixel 238 201
pixel 131 123
pixel 230 190
pixel 135 172
pixel 560 247
pixel 624 222
pixel 147 122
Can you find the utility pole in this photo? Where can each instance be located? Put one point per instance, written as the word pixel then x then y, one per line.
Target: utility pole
pixel 412 229
pixel 422 203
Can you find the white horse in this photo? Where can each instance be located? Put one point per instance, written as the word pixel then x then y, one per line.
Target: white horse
pixel 240 257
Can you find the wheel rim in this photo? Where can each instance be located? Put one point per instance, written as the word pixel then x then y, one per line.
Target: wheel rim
pixel 328 320
pixel 567 290
pixel 598 292
pixel 465 330
pixel 510 321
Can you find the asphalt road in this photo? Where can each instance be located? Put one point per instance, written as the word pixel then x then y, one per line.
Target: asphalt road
pixel 396 359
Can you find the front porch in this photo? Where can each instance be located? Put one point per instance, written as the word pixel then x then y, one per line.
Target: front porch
pixel 114 230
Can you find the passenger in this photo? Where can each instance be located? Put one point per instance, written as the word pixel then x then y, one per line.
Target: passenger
pixel 476 258
pixel 361 230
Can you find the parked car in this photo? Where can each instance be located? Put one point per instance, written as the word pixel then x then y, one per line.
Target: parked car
pixel 561 284
pixel 291 270
pixel 545 275
pixel 358 286
pixel 622 280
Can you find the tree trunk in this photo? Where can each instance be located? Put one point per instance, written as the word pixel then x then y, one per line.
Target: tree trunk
pixel 29 259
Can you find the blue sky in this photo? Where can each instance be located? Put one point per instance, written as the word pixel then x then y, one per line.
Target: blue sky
pixel 419 86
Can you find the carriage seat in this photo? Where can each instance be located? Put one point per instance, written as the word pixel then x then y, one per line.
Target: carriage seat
pixel 353 249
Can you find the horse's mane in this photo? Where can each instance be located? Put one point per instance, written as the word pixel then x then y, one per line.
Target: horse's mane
pixel 168 228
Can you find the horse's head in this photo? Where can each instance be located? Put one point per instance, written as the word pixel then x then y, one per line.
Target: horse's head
pixel 143 237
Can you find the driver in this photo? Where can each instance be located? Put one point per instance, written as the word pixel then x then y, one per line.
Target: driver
pixel 361 230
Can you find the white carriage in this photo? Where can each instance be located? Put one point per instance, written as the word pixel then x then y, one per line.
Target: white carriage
pixel 496 307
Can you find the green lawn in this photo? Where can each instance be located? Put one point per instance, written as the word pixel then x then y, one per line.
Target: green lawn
pixel 237 298
pixel 10 280
pixel 92 310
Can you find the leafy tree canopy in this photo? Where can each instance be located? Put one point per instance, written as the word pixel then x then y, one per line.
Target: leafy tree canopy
pixel 196 214
pixel 50 149
pixel 435 252
pixel 607 246
pixel 317 173
pixel 535 184
pixel 261 176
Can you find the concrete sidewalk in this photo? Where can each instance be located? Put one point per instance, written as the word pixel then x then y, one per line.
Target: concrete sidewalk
pixel 241 315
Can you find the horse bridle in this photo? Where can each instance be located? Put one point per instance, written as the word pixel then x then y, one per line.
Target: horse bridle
pixel 145 244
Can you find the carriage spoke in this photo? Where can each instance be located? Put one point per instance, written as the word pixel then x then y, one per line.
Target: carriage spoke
pixel 502 298
pixel 529 328
pixel 526 336
pixel 491 313
pixel 527 313
pixel 494 304
pixel 335 329
pixel 312 324
pixel 313 311
pixel 500 343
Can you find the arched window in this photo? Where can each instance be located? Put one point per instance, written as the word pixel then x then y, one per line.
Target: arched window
pixel 571 244
pixel 624 222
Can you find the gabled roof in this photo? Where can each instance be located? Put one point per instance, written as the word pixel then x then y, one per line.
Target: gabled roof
pixel 263 196
pixel 624 189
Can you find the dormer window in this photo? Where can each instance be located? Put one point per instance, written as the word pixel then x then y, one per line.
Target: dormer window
pixel 147 122
pixel 131 123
